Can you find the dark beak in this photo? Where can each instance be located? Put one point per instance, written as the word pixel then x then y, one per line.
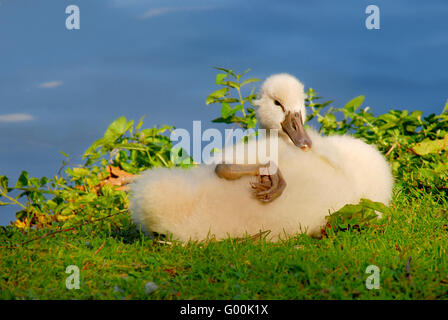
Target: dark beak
pixel 293 126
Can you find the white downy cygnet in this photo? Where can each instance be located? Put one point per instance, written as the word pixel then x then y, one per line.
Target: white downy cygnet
pixel 322 174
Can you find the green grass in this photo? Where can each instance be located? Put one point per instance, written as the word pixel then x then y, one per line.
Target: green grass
pixel 409 245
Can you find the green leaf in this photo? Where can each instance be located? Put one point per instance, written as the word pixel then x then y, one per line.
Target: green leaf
pixel 180 157
pixel 251 122
pixel 226 71
pixel 236 109
pixel 64 154
pixel 226 111
pixel 220 77
pixel 34 182
pixel 116 129
pixel 78 173
pixel 129 127
pixel 230 100
pixel 131 146
pixel 354 104
pixel 216 95
pixel 67 224
pixel 349 209
pixel 330 118
pixel 377 206
pixel 416 114
pixel 445 109
pixel 243 73
pixel 4 183
pixel 410 128
pixel 249 81
pixel 164 128
pixel 21 214
pixel 98 143
pixel 128 168
pixel 223 120
pixel 232 84
pixel 431 146
pixel 149 132
pixel 43 181
pixel 140 123
pixel 23 180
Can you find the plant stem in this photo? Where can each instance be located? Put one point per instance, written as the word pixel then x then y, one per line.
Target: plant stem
pixel 163 160
pixel 241 99
pixel 11 199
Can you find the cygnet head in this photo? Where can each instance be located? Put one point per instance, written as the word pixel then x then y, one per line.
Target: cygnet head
pixel 281 106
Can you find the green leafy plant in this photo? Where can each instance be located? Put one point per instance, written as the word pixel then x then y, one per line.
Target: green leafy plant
pixel 133 149
pixel 355 216
pixel 96 189
pixel 233 108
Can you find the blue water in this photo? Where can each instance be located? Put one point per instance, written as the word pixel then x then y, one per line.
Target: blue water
pixel 120 63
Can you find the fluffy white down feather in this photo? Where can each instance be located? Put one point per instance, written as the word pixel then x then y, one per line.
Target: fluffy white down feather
pixel 194 204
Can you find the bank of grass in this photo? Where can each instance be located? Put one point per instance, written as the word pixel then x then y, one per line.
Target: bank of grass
pixel 409 245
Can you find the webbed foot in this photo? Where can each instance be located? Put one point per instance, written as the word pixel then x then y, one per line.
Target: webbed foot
pixel 269 187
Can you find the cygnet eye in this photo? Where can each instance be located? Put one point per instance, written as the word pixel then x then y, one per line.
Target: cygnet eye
pixel 277 103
